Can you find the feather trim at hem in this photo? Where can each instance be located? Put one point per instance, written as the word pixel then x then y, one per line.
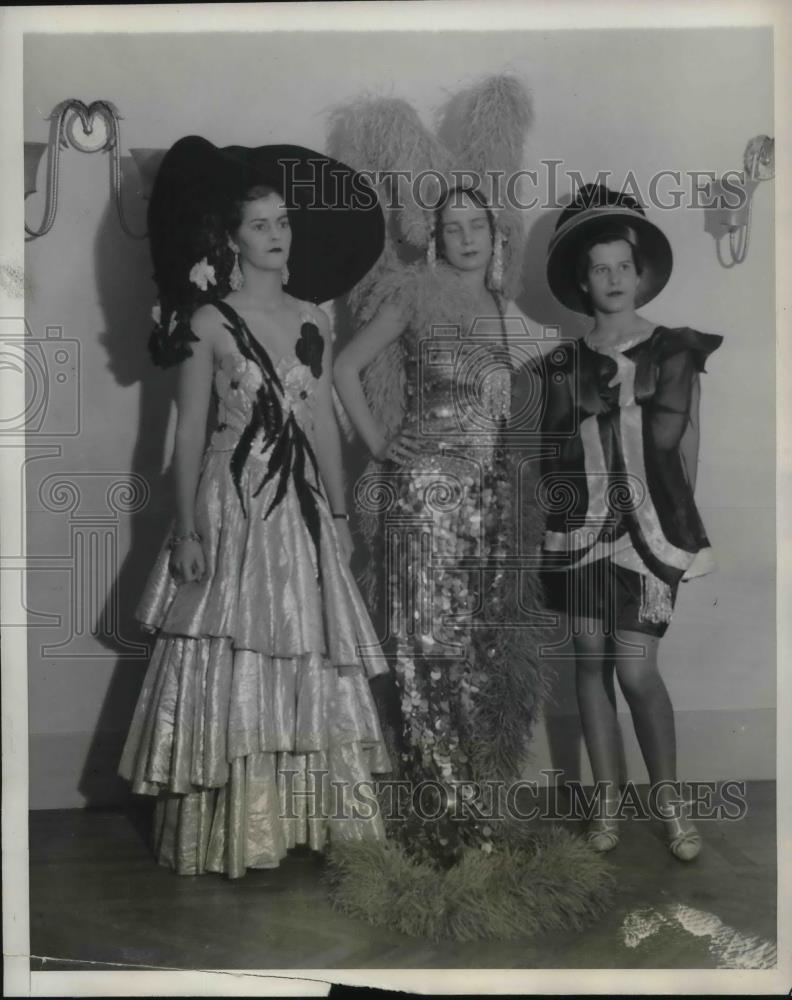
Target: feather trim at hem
pixel 531 884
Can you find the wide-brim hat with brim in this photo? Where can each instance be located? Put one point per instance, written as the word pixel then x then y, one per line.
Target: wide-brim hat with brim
pixel 598 212
pixel 338 229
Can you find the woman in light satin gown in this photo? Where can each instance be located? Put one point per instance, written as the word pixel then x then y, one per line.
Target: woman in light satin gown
pixel 255 727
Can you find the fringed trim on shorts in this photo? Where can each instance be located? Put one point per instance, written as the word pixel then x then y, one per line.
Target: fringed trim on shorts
pixel 656 600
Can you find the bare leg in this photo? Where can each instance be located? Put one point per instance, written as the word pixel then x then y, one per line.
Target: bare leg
pixel 653 717
pixel 652 713
pixel 597 705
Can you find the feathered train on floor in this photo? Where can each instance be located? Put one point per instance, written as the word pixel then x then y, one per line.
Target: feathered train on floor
pixel 532 884
pixel 533 880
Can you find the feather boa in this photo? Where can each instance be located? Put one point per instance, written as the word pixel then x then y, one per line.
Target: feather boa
pixel 482 129
pixel 486 125
pixel 383 135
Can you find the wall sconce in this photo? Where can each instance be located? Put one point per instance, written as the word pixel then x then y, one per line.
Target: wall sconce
pixel 33 153
pixel 90 128
pixel 729 211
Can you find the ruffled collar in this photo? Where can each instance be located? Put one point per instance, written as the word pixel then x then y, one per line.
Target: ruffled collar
pixel 619 347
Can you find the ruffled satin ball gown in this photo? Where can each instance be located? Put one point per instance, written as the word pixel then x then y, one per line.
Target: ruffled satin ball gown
pixel 255 727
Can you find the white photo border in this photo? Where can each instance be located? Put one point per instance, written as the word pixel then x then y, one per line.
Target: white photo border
pixel 468 15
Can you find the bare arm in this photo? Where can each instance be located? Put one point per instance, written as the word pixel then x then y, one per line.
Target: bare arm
pixel 328 441
pixel 386 327
pixel 326 436
pixel 193 396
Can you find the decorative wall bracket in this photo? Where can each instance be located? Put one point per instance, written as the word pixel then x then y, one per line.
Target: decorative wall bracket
pixel 732 197
pixel 92 128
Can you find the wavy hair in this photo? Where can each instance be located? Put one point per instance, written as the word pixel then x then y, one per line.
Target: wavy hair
pixel 208 241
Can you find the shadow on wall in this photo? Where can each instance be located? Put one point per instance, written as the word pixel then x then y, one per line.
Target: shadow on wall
pixel 126 295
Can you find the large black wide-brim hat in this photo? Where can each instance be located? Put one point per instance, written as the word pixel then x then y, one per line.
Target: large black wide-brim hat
pixel 338 229
pixel 597 211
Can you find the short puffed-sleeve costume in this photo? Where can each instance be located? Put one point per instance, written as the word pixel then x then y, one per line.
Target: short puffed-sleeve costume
pixel 618 481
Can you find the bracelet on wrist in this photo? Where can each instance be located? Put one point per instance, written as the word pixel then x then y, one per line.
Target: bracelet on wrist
pixel 178 539
pixel 340 517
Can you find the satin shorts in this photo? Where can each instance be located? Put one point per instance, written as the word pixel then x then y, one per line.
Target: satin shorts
pixel 605 592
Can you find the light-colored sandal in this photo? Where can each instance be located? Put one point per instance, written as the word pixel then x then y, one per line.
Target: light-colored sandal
pixel 605 837
pixel 684 844
pixel 603 834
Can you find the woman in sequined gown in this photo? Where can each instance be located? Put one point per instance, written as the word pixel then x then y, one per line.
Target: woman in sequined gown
pixel 255 727
pixel 446 530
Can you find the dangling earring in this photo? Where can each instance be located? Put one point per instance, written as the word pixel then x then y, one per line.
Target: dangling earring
pixel 285 274
pixel 496 266
pixel 431 252
pixel 236 279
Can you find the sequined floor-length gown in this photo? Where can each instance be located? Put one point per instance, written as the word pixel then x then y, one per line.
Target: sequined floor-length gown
pixel 447 533
pixel 255 725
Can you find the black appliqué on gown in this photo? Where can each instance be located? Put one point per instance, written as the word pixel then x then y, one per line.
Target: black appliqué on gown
pixel 290 444
pixel 310 347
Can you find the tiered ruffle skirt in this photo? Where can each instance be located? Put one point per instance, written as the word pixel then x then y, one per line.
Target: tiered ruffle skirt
pixel 255 726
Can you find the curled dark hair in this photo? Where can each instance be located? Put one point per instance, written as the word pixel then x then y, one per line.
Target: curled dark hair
pixel 455 194
pixel 170 340
pixel 218 228
pixel 233 210
pixel 614 234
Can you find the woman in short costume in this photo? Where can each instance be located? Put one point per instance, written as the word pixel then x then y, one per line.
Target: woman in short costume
pixel 622 525
pixel 255 714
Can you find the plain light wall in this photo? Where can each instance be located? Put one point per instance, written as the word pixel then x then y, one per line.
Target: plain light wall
pixel 633 100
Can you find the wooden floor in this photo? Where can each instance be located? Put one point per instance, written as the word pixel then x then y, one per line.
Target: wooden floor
pixel 98 900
